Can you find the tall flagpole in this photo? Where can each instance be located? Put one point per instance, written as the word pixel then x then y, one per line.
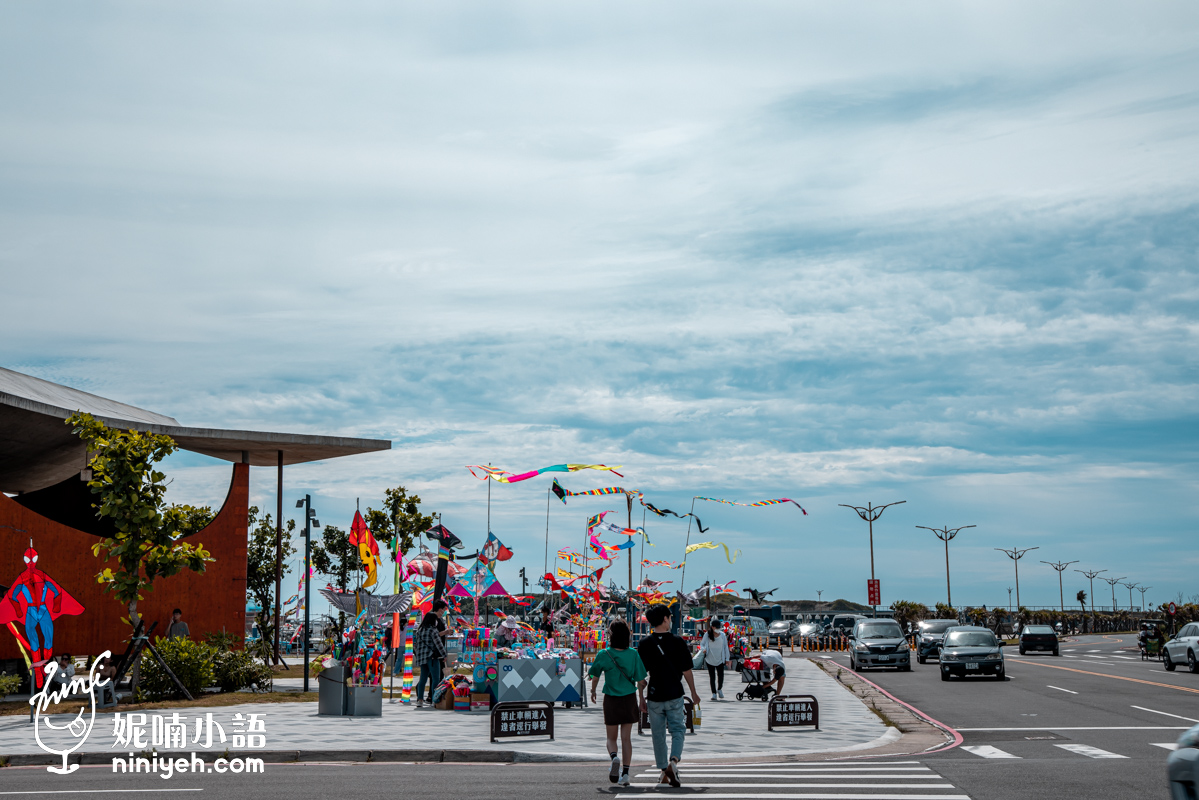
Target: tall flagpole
pixel 690 517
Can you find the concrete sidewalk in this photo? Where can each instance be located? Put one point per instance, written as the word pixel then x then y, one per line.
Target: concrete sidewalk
pixel 294 732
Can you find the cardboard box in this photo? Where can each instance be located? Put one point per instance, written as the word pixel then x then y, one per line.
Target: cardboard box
pixel 480 701
pixel 446 703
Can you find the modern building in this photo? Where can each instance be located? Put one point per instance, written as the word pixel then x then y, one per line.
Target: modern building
pixel 44 498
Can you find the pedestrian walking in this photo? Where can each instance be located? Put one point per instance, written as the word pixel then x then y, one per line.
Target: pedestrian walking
pixel 668 660
pixel 428 650
pixel 715 649
pixel 621 668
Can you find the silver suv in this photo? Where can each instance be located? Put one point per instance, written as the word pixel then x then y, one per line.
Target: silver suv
pixel 1183 648
pixel 879 643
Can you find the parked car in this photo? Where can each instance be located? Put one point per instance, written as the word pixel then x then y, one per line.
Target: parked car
pixel 971 650
pixel 782 632
pixel 1182 766
pixel 811 628
pixel 753 627
pixel 879 643
pixel 1040 638
pixel 932 632
pixel 1183 648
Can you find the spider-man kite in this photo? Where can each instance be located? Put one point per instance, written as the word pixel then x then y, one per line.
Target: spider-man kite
pixel 36 600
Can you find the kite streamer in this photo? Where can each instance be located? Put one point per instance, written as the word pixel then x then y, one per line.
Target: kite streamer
pixel 648 563
pixel 691 548
pixel 563 493
pixel 504 476
pixel 759 503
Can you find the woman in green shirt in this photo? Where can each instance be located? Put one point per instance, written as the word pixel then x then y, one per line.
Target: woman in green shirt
pixel 622 668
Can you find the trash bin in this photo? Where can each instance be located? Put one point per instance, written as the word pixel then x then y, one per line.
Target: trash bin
pixel 331 701
pixel 364 701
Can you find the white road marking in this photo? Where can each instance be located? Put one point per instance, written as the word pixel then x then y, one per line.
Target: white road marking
pixel 809 786
pixel 1165 745
pixel 1094 651
pixel 987 751
pixel 838 796
pixel 821 776
pixel 1164 714
pixel 1088 751
pixel 1128 658
pixel 1060 689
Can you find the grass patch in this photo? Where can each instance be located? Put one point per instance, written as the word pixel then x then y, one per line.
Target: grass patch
pixel 207 701
pixel 882 715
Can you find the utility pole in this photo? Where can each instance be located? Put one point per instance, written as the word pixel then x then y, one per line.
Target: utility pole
pixel 309 521
pixel 1142 590
pixel 1091 576
pixel 1060 566
pixel 1113 582
pixel 869 514
pixel 1015 555
pixel 946 535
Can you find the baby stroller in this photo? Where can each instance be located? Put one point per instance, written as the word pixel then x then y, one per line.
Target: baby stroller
pixel 755 674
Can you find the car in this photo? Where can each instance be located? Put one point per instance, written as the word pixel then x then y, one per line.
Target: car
pixel 971 650
pixel 811 628
pixel 843 624
pixel 782 631
pixel 1041 638
pixel 1183 648
pixel 1182 766
pixel 879 643
pixel 932 631
pixel 753 627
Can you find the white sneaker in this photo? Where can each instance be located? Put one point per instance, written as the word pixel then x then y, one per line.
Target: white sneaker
pixel 614 773
pixel 721 693
pixel 713 695
pixel 624 779
pixel 420 703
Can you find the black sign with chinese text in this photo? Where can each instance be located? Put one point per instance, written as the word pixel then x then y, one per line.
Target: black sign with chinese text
pixel 529 718
pixel 793 711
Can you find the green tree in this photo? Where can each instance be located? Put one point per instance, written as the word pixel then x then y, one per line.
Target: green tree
pixel 945 611
pixel 335 557
pixel 907 612
pixel 149 542
pixel 400 517
pixel 260 573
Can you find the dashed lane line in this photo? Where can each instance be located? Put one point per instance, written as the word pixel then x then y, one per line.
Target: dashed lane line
pixel 1164 714
pixel 1112 677
pixel 1060 689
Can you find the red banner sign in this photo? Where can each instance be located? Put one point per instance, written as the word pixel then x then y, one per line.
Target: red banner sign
pixel 874 592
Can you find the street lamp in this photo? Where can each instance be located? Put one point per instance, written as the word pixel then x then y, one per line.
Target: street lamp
pixel 946 535
pixel 1060 566
pixel 1130 586
pixel 1142 590
pixel 310 521
pixel 1113 582
pixel 870 514
pixel 1015 556
pixel 1091 576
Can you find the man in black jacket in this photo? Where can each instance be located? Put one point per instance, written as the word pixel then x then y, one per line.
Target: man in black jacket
pixel 667 658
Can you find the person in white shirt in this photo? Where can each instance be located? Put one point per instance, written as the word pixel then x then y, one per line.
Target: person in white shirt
pixel 775 659
pixel 715 648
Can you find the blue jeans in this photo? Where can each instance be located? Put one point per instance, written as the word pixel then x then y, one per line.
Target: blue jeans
pixel 429 671
pixel 669 714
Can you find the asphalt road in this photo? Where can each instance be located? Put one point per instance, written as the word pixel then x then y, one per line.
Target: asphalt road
pixel 1087 724
pixel 1039 731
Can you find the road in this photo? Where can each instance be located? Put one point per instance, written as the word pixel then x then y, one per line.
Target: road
pixel 1093 723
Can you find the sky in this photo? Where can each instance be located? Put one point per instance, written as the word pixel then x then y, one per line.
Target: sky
pixel 862 252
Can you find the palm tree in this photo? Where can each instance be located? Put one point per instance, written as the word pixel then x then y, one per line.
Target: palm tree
pixel 1081 597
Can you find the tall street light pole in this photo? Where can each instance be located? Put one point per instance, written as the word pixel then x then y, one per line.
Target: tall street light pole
pixel 946 535
pixel 1142 590
pixel 1060 566
pixel 1113 582
pixel 1130 586
pixel 309 521
pixel 870 513
pixel 1015 555
pixel 1091 576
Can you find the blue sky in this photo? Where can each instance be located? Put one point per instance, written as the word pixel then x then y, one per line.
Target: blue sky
pixel 941 253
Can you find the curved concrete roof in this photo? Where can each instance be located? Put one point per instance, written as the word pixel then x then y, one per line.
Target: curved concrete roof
pixel 37 450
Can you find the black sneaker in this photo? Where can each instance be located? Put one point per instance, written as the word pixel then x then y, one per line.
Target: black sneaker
pixel 671 773
pixel 614 772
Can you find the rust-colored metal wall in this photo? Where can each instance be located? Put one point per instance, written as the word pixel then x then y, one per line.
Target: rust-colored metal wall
pixel 211 601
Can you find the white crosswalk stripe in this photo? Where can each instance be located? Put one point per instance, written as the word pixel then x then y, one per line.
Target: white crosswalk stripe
pixel 1165 745
pixel 987 751
pixel 1088 751
pixel 887 780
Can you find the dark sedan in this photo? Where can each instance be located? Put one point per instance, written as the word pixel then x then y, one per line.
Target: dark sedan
pixel 1038 638
pixel 971 651
pixel 931 632
pixel 782 632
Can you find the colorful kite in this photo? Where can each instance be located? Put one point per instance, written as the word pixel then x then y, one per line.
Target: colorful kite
pixel 494 550
pixel 759 503
pixel 368 549
pixel 479 581
pixel 691 548
pixel 562 493
pixel 596 520
pixel 504 476
pixel 35 600
pixel 648 563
